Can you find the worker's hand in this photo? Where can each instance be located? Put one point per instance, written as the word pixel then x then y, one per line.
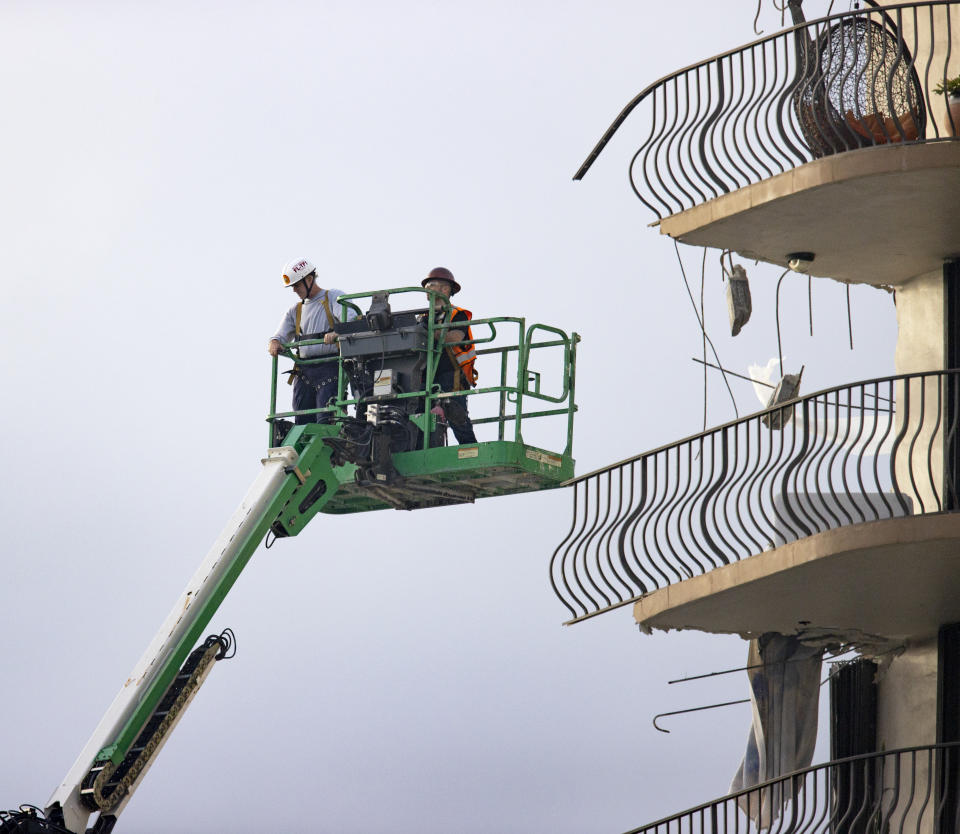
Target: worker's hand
pixel 329 338
pixel 274 347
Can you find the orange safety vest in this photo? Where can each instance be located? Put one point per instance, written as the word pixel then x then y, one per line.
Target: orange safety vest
pixel 462 356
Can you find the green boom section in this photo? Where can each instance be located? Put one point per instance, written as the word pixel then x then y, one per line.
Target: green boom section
pixel 315 458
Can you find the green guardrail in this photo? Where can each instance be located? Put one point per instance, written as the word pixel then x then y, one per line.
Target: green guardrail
pixel 511 392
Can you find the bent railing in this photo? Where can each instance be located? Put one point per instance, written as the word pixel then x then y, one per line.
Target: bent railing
pixel 912 789
pixel 843 82
pixel 862 452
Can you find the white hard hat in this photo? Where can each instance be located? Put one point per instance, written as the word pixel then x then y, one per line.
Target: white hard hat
pixel 296 270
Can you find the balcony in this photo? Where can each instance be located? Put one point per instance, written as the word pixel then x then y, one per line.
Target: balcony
pixel 912 789
pixel 826 137
pixel 850 490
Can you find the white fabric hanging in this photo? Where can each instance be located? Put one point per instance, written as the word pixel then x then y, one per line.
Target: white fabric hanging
pixel 785 695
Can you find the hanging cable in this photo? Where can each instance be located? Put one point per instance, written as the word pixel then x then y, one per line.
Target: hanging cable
pixel 777 312
pixel 827 656
pixel 728 254
pixel 734 373
pixel 756 31
pixel 713 348
pixel 810 301
pixel 228 641
pixel 703 318
pixel 782 9
pixel 849 318
pixel 723 703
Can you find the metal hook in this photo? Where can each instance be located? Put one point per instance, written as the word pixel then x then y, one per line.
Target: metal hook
pixel 694 709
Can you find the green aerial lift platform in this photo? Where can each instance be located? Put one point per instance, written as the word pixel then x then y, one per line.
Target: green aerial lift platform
pixel 398 352
pixel 390 452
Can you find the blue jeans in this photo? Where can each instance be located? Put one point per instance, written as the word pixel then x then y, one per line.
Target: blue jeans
pixel 313 387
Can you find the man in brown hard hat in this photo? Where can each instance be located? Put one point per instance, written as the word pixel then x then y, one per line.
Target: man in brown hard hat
pixel 455 369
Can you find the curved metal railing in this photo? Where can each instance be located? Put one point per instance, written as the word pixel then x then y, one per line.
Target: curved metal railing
pixel 862 452
pixel 912 789
pixel 847 81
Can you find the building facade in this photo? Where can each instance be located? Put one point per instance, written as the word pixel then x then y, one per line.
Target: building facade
pixel 829 519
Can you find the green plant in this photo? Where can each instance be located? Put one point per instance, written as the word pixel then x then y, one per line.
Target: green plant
pixel 950 87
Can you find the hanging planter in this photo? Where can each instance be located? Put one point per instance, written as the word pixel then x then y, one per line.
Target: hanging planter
pixel 951 89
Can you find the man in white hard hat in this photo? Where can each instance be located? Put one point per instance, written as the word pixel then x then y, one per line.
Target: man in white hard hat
pixel 314 315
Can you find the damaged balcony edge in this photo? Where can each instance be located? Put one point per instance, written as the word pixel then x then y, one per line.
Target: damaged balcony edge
pixel 747 220
pixel 842 167
pixel 894 560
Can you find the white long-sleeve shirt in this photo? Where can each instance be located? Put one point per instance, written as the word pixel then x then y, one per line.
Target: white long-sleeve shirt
pixel 313 320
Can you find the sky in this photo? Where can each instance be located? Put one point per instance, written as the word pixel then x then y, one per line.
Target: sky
pixel 401 671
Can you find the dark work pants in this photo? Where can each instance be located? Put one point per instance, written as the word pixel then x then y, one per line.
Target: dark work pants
pixel 313 387
pixel 456 411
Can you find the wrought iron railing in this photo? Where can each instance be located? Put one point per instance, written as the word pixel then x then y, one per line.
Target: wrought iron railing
pixel 912 789
pixel 846 455
pixel 843 82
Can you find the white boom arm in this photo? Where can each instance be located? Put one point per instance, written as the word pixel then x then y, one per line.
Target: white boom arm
pixel 184 613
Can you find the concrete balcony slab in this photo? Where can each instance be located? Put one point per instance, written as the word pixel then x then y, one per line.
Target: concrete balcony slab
pixel 879 215
pixel 896 578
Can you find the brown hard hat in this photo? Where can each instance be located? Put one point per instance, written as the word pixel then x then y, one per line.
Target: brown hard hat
pixel 441 273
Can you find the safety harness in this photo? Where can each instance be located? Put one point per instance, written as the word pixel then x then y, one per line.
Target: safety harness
pixel 296 329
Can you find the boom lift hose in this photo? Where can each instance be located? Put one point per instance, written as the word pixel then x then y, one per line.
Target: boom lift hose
pixel 106 783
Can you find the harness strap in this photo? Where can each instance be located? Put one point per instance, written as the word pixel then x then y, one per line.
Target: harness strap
pixel 296 327
pixel 326 309
pixel 296 336
pixel 457 370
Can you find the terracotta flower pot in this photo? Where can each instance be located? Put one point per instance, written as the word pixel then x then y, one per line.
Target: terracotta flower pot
pixel 953 105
